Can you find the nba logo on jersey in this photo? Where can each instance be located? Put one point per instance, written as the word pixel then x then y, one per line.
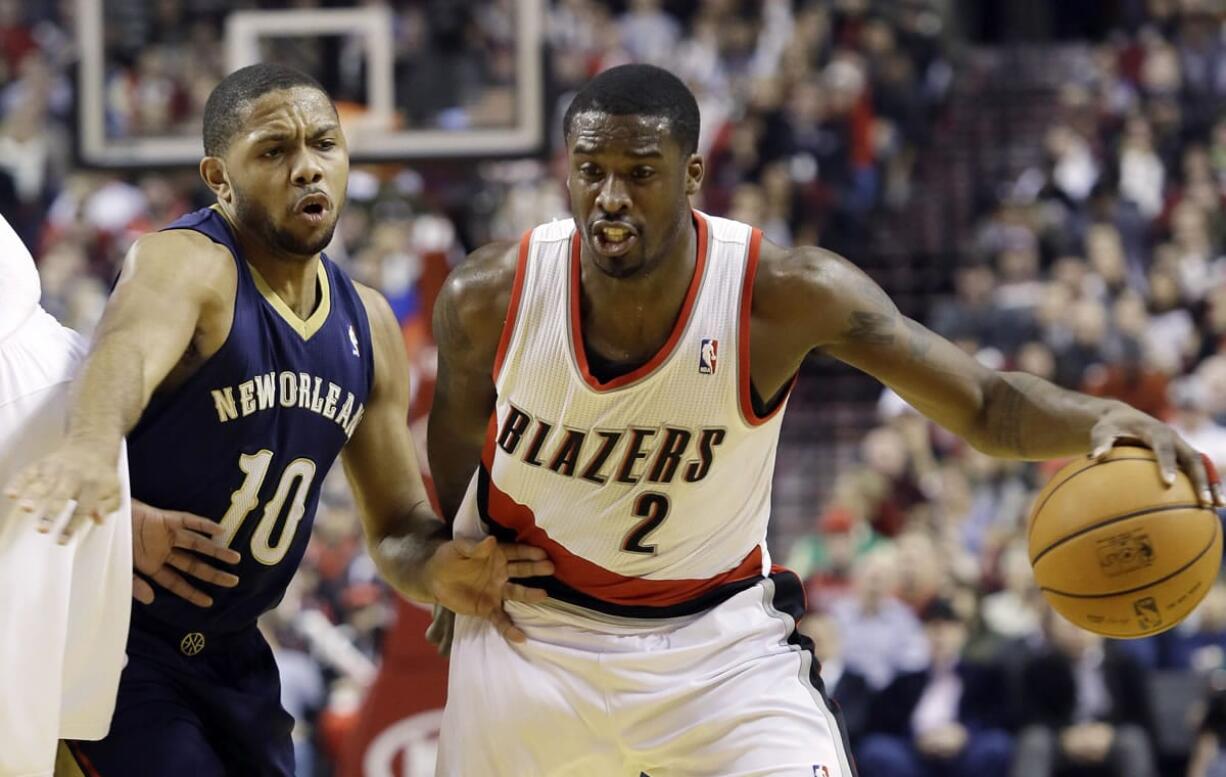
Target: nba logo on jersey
pixel 707 356
pixel 820 771
pixel 353 338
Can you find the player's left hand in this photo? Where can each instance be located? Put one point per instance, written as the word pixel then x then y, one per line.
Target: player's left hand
pixel 474 578
pixel 159 539
pixel 1126 424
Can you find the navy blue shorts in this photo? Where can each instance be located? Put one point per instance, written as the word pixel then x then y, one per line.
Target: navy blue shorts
pixel 194 704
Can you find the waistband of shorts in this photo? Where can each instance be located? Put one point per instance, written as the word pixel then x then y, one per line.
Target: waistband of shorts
pixel 189 640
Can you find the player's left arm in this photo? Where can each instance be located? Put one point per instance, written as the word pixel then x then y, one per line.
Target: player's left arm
pixel 843 312
pixel 408 542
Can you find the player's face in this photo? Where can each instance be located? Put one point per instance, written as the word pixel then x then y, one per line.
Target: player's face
pixel 630 184
pixel 289 167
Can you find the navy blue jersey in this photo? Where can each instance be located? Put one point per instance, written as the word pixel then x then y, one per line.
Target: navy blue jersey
pixel 248 439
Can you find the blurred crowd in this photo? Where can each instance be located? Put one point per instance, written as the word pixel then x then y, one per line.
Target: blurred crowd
pixel 1101 269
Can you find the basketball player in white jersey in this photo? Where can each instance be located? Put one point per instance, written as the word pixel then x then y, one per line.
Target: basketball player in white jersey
pixel 610 389
pixel 63 606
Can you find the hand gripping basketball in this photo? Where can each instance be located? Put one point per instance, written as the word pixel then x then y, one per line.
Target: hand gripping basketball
pixel 1125 424
pixel 1117 551
pixel 65 489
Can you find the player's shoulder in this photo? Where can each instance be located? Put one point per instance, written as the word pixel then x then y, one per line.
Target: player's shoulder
pixel 199 246
pixel 488 270
pixel 477 294
pixel 184 256
pixel 378 311
pixel 387 343
pixel 799 276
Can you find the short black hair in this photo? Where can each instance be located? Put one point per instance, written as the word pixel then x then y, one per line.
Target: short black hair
pixel 642 90
pixel 223 112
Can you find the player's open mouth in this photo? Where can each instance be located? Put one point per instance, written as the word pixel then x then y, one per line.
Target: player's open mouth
pixel 313 208
pixel 612 238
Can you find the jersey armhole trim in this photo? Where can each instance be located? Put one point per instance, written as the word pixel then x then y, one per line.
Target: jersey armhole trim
pixel 745 399
pixel 517 290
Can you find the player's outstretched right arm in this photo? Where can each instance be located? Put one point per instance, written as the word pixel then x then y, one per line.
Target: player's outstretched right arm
pixel 175 292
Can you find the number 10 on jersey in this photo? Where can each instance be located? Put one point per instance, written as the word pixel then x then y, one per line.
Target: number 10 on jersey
pixel 297 476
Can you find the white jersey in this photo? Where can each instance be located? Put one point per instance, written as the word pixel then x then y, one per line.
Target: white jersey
pixel 651 494
pixel 651 491
pixel 63 610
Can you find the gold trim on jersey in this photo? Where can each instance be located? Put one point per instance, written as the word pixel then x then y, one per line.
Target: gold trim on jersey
pixel 313 323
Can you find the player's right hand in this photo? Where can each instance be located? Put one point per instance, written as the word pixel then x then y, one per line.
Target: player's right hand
pixel 159 539
pixel 75 479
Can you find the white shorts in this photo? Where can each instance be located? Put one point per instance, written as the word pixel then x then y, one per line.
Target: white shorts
pixel 63 610
pixel 728 692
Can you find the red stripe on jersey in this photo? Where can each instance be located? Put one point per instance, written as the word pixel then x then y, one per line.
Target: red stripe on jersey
pixel 746 400
pixel 603 584
pixel 683 317
pixel 517 289
pixel 491 439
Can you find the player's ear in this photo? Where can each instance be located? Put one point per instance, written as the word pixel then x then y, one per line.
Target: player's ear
pixel 695 171
pixel 213 171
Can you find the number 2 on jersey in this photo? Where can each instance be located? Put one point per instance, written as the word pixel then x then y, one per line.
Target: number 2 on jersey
pixel 297 475
pixel 652 507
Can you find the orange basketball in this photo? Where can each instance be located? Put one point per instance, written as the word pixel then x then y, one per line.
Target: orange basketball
pixel 1116 552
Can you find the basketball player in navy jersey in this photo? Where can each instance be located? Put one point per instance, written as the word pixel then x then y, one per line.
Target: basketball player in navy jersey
pixel 632 665
pixel 240 362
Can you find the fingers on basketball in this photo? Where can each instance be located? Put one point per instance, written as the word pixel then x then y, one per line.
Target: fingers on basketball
pixel 1102 442
pixel 1215 481
pixel 1118 553
pixel 1193 463
pixel 1163 444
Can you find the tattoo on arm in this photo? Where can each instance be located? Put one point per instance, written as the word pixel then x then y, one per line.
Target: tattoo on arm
pixel 868 327
pixel 1006 419
pixel 878 325
pixel 878 329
